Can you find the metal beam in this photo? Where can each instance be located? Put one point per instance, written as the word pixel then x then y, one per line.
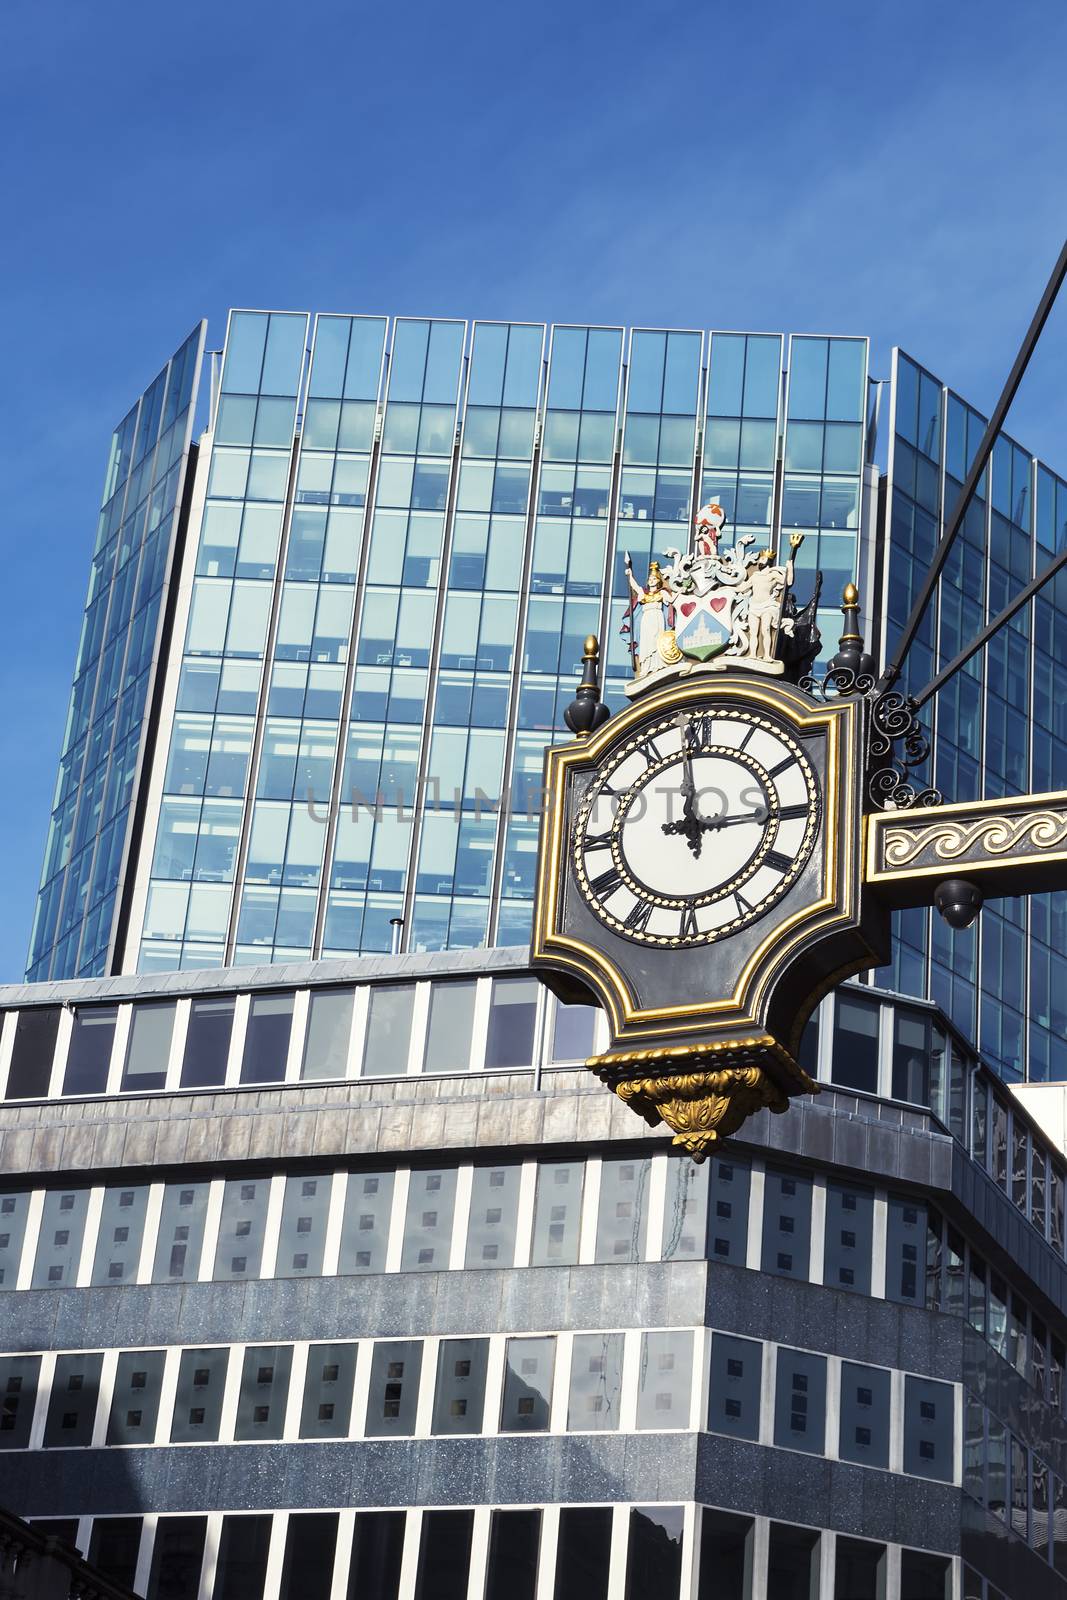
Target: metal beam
pixel 982 639
pixel 978 465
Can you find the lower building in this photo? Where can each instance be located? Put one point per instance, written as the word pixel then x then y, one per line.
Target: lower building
pixel 347 1279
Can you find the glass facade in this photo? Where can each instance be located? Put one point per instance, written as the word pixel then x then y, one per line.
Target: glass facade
pixel 408 531
pixel 1001 980
pixel 114 675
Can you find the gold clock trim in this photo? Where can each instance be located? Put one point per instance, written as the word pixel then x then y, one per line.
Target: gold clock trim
pixel 838 819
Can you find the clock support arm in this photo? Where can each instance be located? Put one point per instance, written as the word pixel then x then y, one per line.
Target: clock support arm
pixel 996 848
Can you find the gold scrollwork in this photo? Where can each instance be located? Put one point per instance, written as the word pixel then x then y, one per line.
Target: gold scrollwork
pixel 1042 830
pixel 702 1107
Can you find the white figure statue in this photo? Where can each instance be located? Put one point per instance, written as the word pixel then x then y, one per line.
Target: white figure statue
pixel 652 601
pixel 765 588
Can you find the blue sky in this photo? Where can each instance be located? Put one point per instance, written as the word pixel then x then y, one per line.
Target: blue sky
pixel 895 170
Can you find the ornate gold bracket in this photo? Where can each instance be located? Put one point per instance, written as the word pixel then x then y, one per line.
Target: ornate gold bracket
pixel 703 1103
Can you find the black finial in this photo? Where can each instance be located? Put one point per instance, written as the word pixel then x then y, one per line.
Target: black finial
pixel 587 712
pixel 851 656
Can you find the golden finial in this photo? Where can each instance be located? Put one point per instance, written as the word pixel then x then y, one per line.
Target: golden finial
pixel 851 595
pixel 592 648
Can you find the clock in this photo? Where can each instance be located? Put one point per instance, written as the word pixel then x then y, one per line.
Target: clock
pixel 696 826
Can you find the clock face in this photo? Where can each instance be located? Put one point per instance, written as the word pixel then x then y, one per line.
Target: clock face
pixel 695 826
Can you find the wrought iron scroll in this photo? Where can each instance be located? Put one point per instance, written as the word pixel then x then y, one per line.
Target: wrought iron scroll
pixel 897 742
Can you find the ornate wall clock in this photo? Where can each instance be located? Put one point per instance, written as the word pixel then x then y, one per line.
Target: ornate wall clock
pixel 728 848
pixel 699 872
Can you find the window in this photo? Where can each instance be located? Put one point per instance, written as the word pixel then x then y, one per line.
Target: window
pixel 905 1251
pixel 511 1567
pixel 328 1030
pixel 736 1378
pixel 428 1224
pixel 394 1388
pixel 302 1235
pixel 198 1396
pixel 207 1043
pixel 327 1405
pixel 928 1428
pixel 849 1238
pixel 180 1239
pixel 241 1568
pixel 377 1551
pixel 365 1228
pixel 388 1040
pixel 31 1056
pixel 573 1032
pixel 859 1569
pixel 135 1397
pixel 583 1553
pixel 60 1239
pixel 726 1555
pixel 864 1415
pixel 512 1013
pixel 310 1546
pixel 177 1557
pixel 596 1382
pixel 450 1028
pixel 855 1059
pixel 527 1385
pixel 19 1377
pixel 621 1221
pixel 444 1555
pixel 241 1229
pixel 654 1552
pixel 89 1053
pixel 924 1576
pixel 118 1246
pixel 263 1392
pixel 728 1211
pixel 459 1398
pixel 557 1214
pixel 72 1407
pixel 270 1021
pixel 912 1049
pixel 685 1209
pixel 800 1401
pixel 113 1547
pixel 791 1557
pixel 493 1216
pixel 786 1224
pixel 665 1380
pixel 149 1048
pixel 13 1210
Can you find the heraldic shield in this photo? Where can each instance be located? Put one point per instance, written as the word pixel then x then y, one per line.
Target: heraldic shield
pixel 704 625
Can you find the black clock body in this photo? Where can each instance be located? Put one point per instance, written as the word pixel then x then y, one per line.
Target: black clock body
pixel 699 872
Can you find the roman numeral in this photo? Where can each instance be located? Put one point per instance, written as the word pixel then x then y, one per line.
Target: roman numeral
pixel 597 841
pixel 751 730
pixel 783 766
pixel 743 905
pixel 607 883
pixel 794 812
pixel 688 929
pixel 649 751
pixel 637 917
pixel 777 861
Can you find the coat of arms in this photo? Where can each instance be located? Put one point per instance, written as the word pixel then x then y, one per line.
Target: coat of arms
pixel 718 609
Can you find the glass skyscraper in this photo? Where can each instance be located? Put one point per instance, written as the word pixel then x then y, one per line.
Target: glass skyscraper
pixel 398 536
pixel 999 727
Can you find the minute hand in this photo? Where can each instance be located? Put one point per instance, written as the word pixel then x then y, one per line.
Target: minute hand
pixel 728 822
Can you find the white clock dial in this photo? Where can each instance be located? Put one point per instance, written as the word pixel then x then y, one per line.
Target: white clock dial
pixel 696 826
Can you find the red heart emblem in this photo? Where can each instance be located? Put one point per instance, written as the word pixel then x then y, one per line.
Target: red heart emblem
pixel 687 608
pixel 717 602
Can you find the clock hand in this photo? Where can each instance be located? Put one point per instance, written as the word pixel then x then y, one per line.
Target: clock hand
pixel 728 822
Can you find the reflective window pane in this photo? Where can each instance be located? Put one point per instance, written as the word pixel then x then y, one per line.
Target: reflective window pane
pixel 207 1043
pixel 527 1385
pixel 450 1027
pixel 270 1021
pixel 385 1053
pixel 596 1382
pixel 149 1047
pixel 89 1054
